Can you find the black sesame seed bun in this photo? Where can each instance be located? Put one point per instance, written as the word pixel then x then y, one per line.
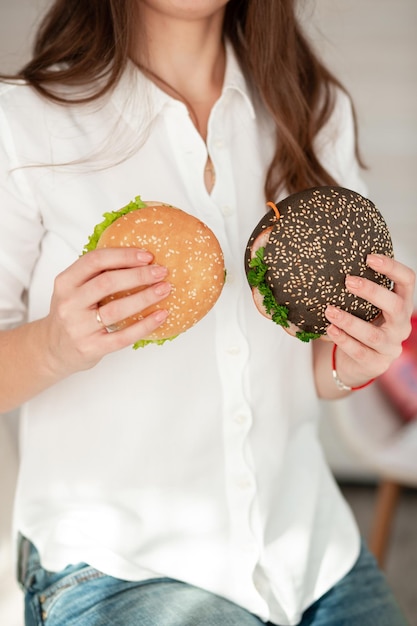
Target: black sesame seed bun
pixel 322 235
pixel 187 248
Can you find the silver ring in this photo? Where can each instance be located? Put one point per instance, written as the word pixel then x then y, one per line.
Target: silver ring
pixel 111 328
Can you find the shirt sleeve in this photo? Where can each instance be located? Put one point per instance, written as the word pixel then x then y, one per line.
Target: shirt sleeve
pixel 21 231
pixel 336 146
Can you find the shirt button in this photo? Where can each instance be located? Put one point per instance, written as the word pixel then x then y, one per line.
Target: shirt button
pixel 244 483
pixel 218 143
pixel 230 278
pixel 227 210
pixel 240 419
pixel 233 350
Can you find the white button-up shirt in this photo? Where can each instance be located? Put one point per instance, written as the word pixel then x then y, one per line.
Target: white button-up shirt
pixel 198 459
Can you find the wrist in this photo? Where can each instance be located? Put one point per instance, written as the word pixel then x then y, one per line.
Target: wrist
pixel 339 382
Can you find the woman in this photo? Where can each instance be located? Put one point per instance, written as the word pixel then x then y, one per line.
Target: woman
pixel 182 484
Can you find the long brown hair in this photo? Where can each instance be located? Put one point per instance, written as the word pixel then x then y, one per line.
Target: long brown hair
pixel 79 41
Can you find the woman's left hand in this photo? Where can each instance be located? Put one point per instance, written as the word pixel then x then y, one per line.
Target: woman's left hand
pixel 366 349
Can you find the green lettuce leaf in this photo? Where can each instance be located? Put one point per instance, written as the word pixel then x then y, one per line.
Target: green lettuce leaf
pixel 279 313
pixel 144 342
pixel 109 218
pixel 303 335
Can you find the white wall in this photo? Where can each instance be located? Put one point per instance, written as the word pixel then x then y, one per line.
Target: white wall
pixel 372 46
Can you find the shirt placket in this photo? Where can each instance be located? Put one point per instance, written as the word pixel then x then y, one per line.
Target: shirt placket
pixel 218 211
pixel 232 358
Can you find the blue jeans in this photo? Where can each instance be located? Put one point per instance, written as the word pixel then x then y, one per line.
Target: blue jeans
pixel 80 595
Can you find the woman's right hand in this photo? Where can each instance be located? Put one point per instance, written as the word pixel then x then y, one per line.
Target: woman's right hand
pixel 75 338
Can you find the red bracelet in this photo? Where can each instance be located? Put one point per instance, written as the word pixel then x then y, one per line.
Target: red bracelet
pixel 341 385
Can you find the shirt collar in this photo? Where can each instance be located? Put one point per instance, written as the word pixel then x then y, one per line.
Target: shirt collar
pixel 136 97
pixel 234 79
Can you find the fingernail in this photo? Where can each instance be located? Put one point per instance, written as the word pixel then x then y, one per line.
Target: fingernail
pixel 375 259
pixel 333 331
pixel 162 289
pixel 333 312
pixel 158 271
pixel 144 256
pixel 160 316
pixel 353 282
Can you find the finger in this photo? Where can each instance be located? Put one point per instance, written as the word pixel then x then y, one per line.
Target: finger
pixel 378 295
pixel 93 263
pixel 119 309
pixel 359 330
pixel 395 312
pixel 367 361
pixel 402 276
pixel 110 282
pixel 131 334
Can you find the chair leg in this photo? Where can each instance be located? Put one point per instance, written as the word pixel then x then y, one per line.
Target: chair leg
pixel 386 502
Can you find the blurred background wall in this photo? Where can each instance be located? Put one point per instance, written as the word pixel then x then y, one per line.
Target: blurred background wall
pixel 372 46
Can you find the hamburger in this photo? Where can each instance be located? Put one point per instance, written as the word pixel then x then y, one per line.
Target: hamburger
pixel 300 252
pixel 180 242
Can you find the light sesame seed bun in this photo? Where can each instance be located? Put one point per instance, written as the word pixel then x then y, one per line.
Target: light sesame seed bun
pixel 322 235
pixel 187 248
